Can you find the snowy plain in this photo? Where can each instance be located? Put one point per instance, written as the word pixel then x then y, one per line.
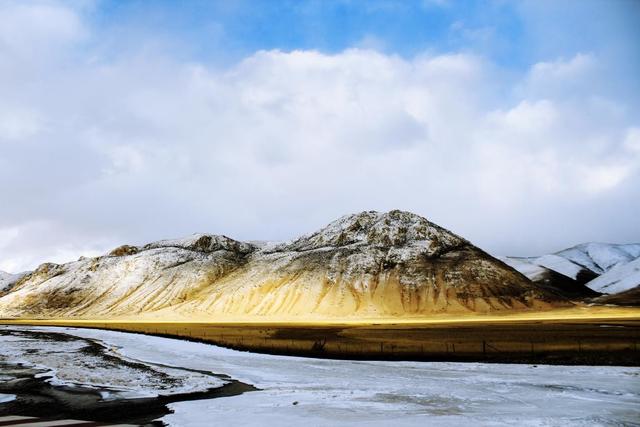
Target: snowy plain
pixel 319 392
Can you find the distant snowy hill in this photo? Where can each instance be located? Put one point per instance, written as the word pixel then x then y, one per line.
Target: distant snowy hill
pixel 601 257
pixel 597 258
pixel 619 278
pixel 600 267
pixel 7 280
pixel 543 271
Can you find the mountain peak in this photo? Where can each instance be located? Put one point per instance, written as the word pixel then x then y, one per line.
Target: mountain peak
pixel 382 229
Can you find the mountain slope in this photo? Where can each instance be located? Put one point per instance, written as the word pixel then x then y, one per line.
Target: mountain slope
pixel 395 263
pixel 366 264
pixel 619 278
pixel 128 280
pixel 550 279
pixel 601 257
pixel 575 271
pixel 630 297
pixel 7 280
pixel 568 268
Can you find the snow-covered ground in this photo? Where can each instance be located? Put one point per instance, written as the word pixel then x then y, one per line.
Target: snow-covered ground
pixel 315 392
pixel 77 363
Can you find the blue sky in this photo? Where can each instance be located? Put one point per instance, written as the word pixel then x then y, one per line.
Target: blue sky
pixel 513 33
pixel 513 123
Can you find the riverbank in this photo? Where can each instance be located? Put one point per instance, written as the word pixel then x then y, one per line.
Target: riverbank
pixel 55 375
pixel 607 337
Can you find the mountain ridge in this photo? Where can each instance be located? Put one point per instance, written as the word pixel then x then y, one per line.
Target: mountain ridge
pixel 370 263
pixel 585 270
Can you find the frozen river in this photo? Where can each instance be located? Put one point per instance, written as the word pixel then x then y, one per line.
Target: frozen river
pixel 319 392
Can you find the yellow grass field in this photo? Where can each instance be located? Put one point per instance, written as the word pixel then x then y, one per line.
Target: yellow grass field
pixel 582 335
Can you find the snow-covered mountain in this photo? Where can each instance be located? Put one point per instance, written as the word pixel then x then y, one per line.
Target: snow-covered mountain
pixel 619 278
pixel 600 267
pixel 550 278
pixel 588 259
pixel 7 280
pixel 601 257
pixel 367 264
pixel 129 279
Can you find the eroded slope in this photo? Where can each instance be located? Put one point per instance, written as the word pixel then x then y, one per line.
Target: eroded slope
pixel 127 281
pixel 372 264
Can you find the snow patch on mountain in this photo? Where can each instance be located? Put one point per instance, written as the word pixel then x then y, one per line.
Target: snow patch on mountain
pixel 204 243
pixel 601 257
pixel 591 258
pixel 7 280
pixel 543 272
pixel 601 267
pixel 619 278
pixel 536 268
pixel 525 266
pixel 559 264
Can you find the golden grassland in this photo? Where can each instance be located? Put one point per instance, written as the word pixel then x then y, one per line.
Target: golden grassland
pixel 578 335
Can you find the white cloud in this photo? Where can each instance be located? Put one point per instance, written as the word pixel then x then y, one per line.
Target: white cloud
pixel 17 124
pixel 144 147
pixel 526 117
pixel 632 140
pixel 563 77
pixel 562 69
pixel 30 30
pixel 598 178
pixel 28 244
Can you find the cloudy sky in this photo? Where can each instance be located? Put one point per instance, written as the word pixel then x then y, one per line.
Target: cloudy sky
pixel 513 123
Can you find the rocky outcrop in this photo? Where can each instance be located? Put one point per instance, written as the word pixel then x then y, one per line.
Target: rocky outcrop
pixel 368 264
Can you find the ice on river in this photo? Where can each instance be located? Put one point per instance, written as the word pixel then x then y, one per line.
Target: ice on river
pixel 6 397
pixel 73 362
pixel 319 392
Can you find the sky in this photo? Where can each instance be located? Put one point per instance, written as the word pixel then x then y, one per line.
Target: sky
pixel 515 124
